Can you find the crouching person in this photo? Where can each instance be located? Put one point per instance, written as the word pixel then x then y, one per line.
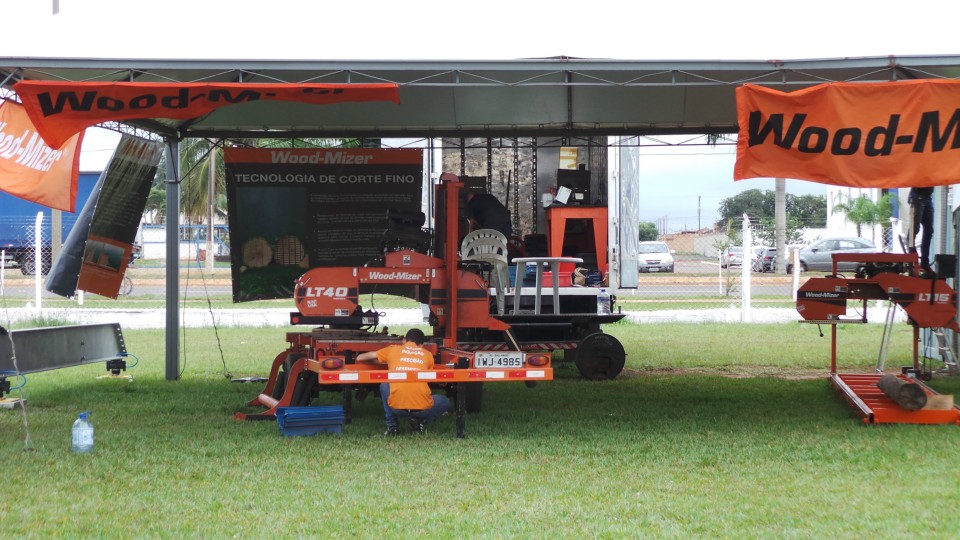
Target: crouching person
pixel 412 400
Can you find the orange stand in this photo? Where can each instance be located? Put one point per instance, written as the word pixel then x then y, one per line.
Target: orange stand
pixel 861 393
pixel 557 217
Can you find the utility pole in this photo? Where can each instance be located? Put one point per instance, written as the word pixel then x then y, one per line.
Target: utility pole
pixel 698 212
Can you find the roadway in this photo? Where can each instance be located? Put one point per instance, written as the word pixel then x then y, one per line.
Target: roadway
pixel 691 278
pixel 147 282
pixel 705 278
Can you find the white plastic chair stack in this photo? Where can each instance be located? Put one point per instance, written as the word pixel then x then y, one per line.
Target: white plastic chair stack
pixel 489 246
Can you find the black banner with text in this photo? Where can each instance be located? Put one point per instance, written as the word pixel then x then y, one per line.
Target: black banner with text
pixel 296 209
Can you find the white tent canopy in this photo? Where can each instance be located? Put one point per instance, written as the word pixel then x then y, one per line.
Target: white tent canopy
pixel 527 97
pixel 560 96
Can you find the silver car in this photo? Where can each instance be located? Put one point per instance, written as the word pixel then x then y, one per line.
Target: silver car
pixel 655 257
pixel 819 254
pixel 732 256
pixel 765 259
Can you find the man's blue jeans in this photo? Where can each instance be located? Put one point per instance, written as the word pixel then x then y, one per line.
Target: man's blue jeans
pixel 441 405
pixel 923 219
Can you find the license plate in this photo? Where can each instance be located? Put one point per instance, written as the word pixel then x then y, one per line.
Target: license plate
pixel 498 359
pixel 655 269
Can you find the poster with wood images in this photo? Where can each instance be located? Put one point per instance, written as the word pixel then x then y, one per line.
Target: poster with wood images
pixel 295 209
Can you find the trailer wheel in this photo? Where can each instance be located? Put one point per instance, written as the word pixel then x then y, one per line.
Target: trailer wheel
pixel 600 356
pixel 28 264
pixel 281 384
pixel 303 389
pixel 474 397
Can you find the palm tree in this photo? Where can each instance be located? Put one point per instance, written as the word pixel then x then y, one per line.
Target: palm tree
pixel 197 156
pixel 863 211
pixel 156 204
pixel 195 160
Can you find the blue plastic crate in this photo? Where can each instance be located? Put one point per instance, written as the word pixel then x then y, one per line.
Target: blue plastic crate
pixel 301 431
pixel 300 421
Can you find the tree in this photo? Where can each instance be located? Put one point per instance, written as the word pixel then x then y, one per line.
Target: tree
pixel 648 231
pixel 766 234
pixel 863 211
pixel 807 210
pixel 196 157
pixel 194 180
pixel 157 203
pixel 753 202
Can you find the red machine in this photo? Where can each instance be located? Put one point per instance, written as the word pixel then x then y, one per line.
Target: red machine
pixel 329 296
pixel 472 343
pixel 928 303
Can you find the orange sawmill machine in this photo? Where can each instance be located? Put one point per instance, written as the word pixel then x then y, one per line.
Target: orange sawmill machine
pixel 928 302
pixel 472 341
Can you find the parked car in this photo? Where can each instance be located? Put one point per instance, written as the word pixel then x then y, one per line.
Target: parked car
pixel 819 254
pixel 655 257
pixel 765 259
pixel 731 256
pixel 757 250
pixel 136 252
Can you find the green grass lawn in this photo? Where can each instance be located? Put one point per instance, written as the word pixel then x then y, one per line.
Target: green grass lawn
pixel 700 437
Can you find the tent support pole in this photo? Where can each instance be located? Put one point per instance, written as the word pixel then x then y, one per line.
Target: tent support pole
pixel 173 260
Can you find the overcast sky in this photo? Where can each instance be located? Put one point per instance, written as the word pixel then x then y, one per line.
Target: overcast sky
pixel 491 29
pixel 498 29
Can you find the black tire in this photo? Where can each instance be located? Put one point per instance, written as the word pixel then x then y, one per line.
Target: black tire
pixel 600 357
pixel 28 265
pixel 281 383
pixel 126 286
pixel 474 397
pixel 303 391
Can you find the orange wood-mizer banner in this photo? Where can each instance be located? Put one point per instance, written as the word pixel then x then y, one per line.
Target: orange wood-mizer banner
pixel 868 135
pixel 60 109
pixel 33 170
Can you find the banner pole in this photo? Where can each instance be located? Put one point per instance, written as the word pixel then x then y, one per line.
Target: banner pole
pixel 37 260
pixel 745 269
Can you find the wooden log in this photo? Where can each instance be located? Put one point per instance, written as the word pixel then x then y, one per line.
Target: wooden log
pixel 257 252
pixel 288 250
pixel 908 395
pixel 939 402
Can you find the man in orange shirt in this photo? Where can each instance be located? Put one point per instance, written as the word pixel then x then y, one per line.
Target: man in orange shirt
pixel 409 399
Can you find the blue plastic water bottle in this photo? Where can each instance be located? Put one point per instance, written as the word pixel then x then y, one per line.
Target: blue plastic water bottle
pixel 82 434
